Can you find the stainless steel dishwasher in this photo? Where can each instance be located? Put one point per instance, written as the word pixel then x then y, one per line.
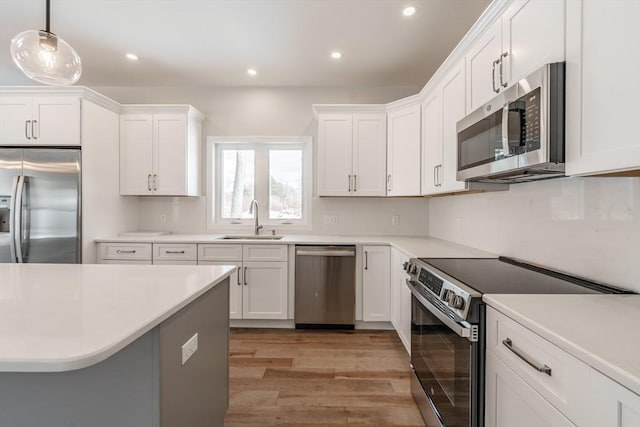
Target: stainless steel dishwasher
pixel 325 289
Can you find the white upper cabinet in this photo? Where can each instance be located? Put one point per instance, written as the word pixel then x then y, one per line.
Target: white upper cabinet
pixel 453 110
pixel 528 35
pixel 47 120
pixel 369 154
pixel 431 142
pixel 159 151
pixel 602 87
pixel 351 153
pixel 403 150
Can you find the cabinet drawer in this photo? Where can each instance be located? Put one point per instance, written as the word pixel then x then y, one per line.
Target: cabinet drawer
pixel 126 251
pixel 264 253
pixel 175 252
pixel 125 261
pixel 184 262
pixel 568 376
pixel 219 252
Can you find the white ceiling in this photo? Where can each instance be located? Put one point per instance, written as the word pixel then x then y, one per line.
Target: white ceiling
pixel 213 42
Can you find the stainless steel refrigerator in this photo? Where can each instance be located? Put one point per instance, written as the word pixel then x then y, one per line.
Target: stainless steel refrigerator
pixel 40 205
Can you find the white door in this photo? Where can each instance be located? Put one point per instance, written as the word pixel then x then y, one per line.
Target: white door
pixel 396 269
pixel 612 404
pixel 376 284
pixel 136 154
pixel 56 120
pixel 403 151
pixel 15 120
pixel 602 86
pixel 453 110
pixel 170 154
pixel 264 294
pixel 405 319
pixel 369 155
pixel 510 401
pixel 335 154
pixel 532 35
pixel 235 287
pixel 431 142
pixel 483 77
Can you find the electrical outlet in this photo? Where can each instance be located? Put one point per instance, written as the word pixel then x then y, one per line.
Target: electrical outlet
pixel 395 219
pixel 189 348
pixel 163 218
pixel 331 219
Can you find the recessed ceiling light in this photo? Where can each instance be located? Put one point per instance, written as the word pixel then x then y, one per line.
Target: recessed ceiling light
pixel 408 11
pixel 252 72
pixel 132 57
pixel 336 55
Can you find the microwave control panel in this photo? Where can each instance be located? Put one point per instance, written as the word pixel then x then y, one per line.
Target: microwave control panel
pixel 524 123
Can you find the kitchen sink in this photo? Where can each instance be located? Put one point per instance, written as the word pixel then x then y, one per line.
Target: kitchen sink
pixel 250 237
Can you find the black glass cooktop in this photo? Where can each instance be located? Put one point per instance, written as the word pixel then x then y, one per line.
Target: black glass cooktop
pixel 508 276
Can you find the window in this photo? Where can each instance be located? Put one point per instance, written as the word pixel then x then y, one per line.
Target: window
pixel 276 172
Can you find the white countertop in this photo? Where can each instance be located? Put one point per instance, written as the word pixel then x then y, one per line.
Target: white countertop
pixel 412 246
pixel 600 330
pixel 61 317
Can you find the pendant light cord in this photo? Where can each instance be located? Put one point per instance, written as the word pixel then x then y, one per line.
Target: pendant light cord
pixel 48 26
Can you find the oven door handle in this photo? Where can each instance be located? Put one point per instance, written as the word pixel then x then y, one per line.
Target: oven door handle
pixel 464 332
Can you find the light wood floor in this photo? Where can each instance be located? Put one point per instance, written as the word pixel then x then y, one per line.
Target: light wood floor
pixel 319 378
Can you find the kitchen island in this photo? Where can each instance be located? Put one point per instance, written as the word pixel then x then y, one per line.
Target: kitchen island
pixel 107 345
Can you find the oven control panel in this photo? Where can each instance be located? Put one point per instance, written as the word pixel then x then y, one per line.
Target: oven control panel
pixel 456 298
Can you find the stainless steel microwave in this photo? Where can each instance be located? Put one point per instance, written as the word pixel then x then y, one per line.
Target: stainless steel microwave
pixel 519 135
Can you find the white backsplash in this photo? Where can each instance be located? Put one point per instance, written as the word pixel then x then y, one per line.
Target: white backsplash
pixel 584 226
pixel 370 216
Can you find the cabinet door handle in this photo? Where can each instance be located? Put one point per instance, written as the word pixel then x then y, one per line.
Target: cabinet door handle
pixel 175 252
pixel 349 182
pixel 366 260
pixel 435 176
pixel 389 182
pixel 120 251
pixel 33 129
pixel 493 76
pixel 149 182
pixel 355 183
pixel 155 182
pixel 509 344
pixel 26 129
pixel 244 276
pixel 504 55
pixel 239 271
pixel 440 175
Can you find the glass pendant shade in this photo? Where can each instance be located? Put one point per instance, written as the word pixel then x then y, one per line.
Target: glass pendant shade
pixel 44 57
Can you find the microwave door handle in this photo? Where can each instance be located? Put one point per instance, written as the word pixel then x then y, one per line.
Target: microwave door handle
pixel 505 132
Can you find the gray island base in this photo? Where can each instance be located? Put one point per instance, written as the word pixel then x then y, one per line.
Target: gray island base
pixel 143 385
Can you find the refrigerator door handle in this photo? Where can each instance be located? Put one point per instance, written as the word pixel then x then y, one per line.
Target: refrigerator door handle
pixel 17 225
pixel 12 218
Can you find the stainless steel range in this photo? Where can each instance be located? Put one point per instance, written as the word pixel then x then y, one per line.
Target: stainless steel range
pixel 448 327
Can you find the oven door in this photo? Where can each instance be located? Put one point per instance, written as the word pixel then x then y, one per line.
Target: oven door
pixel 446 361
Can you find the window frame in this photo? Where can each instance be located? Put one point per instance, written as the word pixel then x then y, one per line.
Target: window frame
pixel 261 171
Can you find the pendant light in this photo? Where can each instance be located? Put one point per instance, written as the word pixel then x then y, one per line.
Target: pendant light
pixel 46 58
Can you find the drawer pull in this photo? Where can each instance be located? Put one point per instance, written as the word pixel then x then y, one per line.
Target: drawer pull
pixel 120 251
pixel 509 344
pixel 175 252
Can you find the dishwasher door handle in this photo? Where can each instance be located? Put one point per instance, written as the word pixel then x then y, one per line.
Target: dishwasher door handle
pixel 336 252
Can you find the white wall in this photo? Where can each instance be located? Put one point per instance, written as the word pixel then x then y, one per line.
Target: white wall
pixel 274 112
pixel 585 226
pixel 104 211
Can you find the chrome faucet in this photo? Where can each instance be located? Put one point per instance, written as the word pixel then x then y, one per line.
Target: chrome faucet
pixel 253 209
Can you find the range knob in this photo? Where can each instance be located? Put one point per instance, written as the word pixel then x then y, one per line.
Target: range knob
pixel 456 301
pixel 414 269
pixel 405 266
pixel 446 294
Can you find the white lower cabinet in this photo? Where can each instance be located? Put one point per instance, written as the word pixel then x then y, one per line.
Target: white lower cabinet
pixel 400 299
pixel 258 289
pixel 611 404
pixel 569 393
pixel 376 284
pixel 510 401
